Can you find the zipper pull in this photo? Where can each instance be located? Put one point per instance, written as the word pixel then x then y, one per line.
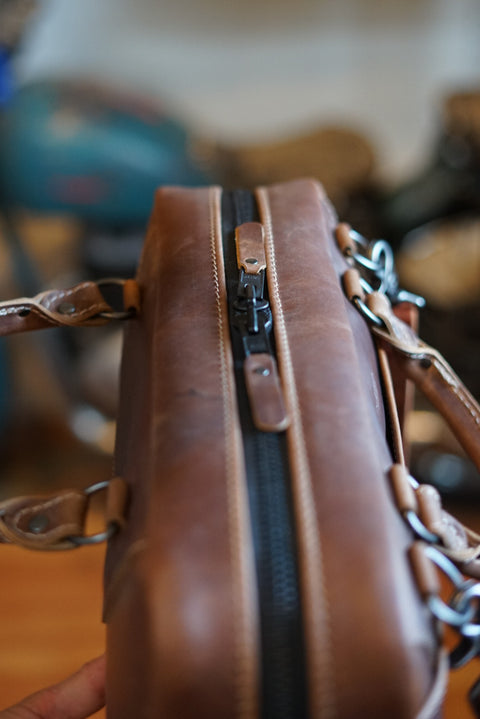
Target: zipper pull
pixel 253 319
pixel 265 393
pixel 250 244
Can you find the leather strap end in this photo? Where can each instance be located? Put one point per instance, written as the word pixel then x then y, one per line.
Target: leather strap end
pixel 76 306
pixel 344 240
pixel 44 522
pixel 131 296
pixel 403 491
pixel 351 284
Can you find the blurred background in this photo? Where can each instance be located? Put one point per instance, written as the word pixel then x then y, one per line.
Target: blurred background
pixel 102 102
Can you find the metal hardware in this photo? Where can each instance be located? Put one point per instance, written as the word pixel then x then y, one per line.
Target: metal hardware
pixel 418 527
pixel 252 314
pixel 462 600
pixel 367 313
pixel 97 538
pixel 114 314
pixel 376 260
pixel 264 371
pixel 38 524
pixel 81 541
pixel 456 615
pixel 66 308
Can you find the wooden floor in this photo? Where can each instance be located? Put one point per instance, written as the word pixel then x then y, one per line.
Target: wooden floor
pixel 50 610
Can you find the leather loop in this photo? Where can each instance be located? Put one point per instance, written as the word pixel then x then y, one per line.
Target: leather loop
pixel 403 491
pixel 344 240
pixel 351 284
pixel 424 570
pixel 131 296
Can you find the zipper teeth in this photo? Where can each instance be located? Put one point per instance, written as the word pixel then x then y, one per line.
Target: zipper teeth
pixel 283 675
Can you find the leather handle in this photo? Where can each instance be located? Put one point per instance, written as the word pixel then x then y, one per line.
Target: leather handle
pixel 78 306
pixel 432 374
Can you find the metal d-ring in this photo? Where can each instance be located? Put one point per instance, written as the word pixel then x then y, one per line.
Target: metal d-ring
pixel 114 314
pixel 418 527
pixel 99 537
pixel 367 313
pixel 462 600
pixel 358 238
pixel 442 611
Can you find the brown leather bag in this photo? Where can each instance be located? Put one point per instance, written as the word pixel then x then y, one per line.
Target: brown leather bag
pixel 268 563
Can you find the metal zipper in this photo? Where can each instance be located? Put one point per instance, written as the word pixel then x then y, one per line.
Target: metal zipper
pixel 283 682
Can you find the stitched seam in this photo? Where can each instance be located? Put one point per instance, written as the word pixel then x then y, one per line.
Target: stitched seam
pixel 321 682
pixel 241 654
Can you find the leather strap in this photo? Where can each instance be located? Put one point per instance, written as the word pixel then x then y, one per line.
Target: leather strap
pixel 79 306
pixel 431 374
pixel 58 521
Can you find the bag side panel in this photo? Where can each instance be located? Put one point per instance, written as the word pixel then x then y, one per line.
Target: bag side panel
pixel 182 625
pixel 370 645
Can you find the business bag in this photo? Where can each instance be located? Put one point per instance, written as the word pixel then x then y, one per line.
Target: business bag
pixel 270 555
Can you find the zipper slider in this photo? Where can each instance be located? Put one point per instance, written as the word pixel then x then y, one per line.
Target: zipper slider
pixel 253 319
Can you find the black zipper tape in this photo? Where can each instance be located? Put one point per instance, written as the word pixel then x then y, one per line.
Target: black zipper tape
pixel 283 680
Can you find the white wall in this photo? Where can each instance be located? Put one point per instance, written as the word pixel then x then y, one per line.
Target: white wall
pixel 258 68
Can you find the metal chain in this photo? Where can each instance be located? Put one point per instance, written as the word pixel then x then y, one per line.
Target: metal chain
pixel 375 262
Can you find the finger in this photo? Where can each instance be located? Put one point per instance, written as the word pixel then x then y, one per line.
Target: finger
pixel 77 697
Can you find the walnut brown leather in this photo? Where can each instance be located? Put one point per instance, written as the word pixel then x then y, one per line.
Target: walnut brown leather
pixel 181 596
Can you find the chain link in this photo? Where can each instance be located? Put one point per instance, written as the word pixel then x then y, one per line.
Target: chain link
pixel 374 261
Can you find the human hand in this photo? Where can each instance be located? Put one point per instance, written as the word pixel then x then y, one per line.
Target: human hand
pixel 77 697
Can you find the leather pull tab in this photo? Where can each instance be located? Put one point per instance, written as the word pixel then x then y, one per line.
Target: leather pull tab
pixel 250 243
pixel 265 393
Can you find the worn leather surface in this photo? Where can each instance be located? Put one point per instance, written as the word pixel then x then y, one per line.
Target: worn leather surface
pixel 180 596
pixel 370 647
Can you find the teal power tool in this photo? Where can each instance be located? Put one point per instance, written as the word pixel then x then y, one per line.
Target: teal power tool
pixel 89 152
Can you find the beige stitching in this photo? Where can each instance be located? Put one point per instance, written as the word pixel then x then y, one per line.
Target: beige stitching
pixel 321 685
pixel 245 668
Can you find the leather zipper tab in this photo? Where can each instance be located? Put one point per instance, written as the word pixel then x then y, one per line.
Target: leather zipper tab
pixel 265 393
pixel 250 244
